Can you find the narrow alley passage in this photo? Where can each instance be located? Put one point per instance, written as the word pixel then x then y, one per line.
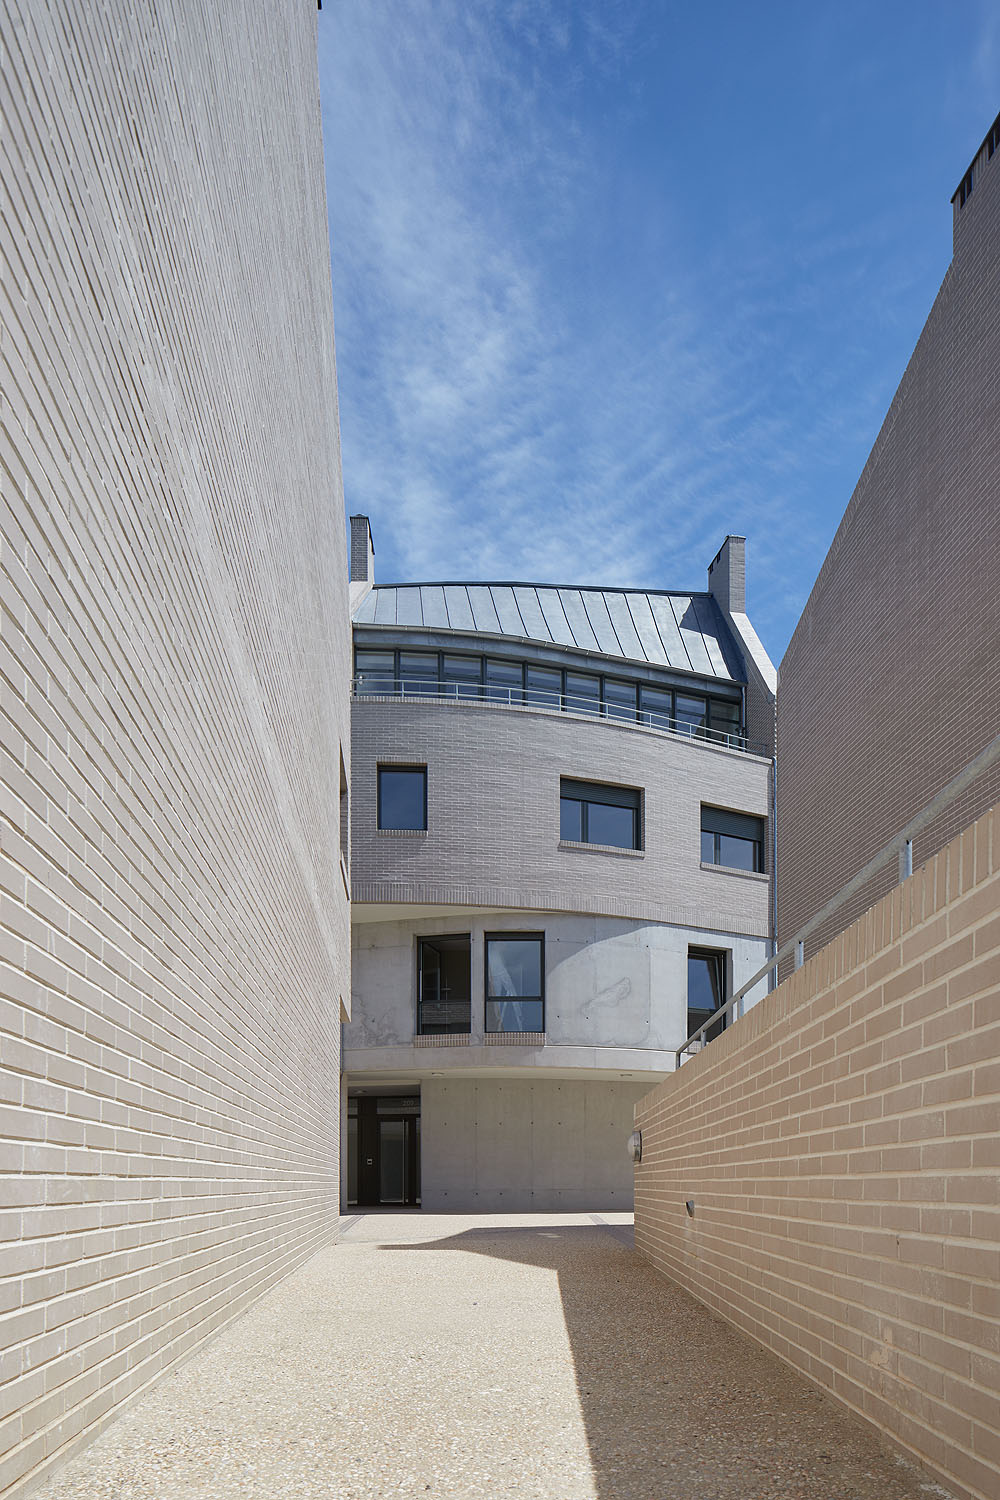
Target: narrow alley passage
pixel 462 1356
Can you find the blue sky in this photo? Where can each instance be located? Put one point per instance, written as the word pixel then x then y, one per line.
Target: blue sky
pixel 612 280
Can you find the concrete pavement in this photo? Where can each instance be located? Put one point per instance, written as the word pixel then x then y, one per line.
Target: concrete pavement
pixel 465 1356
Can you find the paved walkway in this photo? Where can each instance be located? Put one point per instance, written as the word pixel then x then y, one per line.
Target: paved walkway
pixel 450 1355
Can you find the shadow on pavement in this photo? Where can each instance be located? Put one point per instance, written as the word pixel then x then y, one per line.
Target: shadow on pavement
pixel 676 1404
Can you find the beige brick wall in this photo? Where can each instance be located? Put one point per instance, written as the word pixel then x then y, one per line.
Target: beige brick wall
pixel 174 669
pixel 840 1147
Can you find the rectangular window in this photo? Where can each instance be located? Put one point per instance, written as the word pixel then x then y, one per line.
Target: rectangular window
pixel 590 813
pixel 543 686
pixel 444 985
pixel 462 676
pixel 345 814
pixel 515 981
pixel 733 839
pixel 374 672
pixel 418 672
pixel 619 699
pixel 583 693
pixel 724 721
pixel 504 680
pixel 691 713
pixel 706 989
pixel 656 707
pixel 402 798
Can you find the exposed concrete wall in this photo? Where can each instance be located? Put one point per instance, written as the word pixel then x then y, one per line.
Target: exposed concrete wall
pixel 891 682
pixel 609 983
pixel 493 815
pixel 175 632
pixel 840 1149
pixel 509 1145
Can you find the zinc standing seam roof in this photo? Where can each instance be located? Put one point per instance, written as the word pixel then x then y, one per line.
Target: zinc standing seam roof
pixel 683 631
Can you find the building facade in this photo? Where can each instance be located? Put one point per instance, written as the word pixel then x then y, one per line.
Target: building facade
pixel 174 697
pixel 560 857
pixel 891 682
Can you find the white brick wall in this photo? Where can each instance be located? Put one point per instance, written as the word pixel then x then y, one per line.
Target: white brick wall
pixel 174 665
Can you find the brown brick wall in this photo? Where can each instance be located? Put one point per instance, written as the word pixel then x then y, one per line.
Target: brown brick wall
pixel 891 682
pixel 840 1146
pixel 173 688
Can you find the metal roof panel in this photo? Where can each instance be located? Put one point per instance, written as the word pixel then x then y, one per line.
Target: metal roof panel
pixel 435 610
pixel 576 614
pixel 483 609
pixel 385 606
pixel 645 627
pixel 704 609
pixel 459 609
pixel 597 613
pixel 507 611
pixel 555 617
pixel 684 631
pixel 690 630
pixel 621 619
pixel 531 612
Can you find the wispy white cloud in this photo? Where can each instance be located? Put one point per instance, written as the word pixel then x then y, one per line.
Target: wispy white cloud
pixel 511 405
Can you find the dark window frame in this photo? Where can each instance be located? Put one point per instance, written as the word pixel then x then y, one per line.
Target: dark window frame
pixel 444 1028
pixel 389 768
pixel 719 959
pixel 631 797
pixel 724 822
pixel 489 937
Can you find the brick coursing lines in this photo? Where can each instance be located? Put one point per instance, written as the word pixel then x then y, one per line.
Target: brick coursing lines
pixel 175 932
pixel 840 1146
pixel 891 682
pixel 481 822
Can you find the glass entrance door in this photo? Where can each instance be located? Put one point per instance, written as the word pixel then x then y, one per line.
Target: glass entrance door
pixel 384 1151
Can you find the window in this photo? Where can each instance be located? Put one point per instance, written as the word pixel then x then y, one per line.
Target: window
pixel 345 814
pixel 402 797
pixel 444 985
pixel 374 672
pixel 515 968
pixel 463 676
pixel 619 699
pixel 593 814
pixel 504 680
pixel 733 839
pixel 724 719
pixel 418 672
pixel 656 707
pixel 544 686
pixel 706 989
pixel 690 713
pixel 583 693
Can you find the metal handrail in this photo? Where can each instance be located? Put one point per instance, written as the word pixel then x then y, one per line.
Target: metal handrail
pixel 901 846
pixel 511 697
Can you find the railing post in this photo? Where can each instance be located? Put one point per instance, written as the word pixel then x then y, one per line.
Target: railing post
pixel 906 860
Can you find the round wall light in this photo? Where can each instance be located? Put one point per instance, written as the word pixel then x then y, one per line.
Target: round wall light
pixel 635 1145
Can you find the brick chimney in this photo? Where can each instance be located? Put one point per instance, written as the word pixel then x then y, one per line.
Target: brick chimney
pixel 362 551
pixel 727 575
